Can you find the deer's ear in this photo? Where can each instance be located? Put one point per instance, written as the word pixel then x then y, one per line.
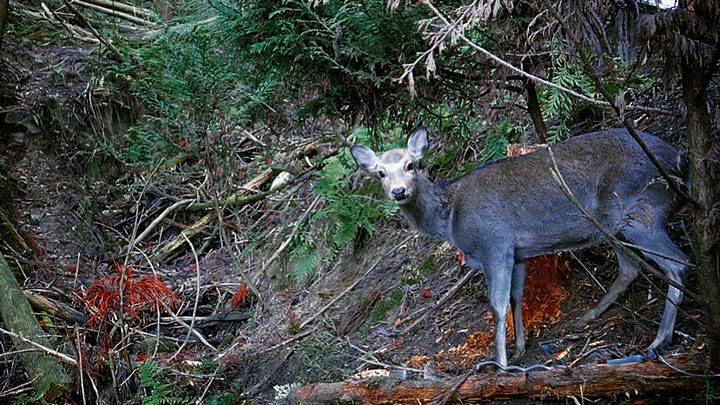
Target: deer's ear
pixel 365 158
pixel 418 143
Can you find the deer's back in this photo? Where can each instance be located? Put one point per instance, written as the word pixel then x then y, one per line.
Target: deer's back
pixel 516 200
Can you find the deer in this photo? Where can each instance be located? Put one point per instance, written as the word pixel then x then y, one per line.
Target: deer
pixel 509 210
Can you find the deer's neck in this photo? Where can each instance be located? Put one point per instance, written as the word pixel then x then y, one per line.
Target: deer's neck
pixel 429 211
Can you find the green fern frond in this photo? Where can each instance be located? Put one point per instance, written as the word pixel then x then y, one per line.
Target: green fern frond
pixel 305 259
pixel 160 393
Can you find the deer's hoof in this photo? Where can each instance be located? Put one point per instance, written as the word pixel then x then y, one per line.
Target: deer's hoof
pixel 581 323
pixel 516 355
pixel 578 326
pixel 656 347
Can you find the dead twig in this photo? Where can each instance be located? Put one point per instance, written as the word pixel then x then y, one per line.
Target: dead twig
pixel 41 347
pixel 92 29
pixel 80 366
pixel 442 301
pixel 191 327
pixel 361 278
pixel 159 219
pixel 295 338
pixel 240 198
pixel 454 30
pixel 304 217
pixel 236 262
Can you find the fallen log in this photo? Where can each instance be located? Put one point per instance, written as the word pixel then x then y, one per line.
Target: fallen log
pixel 47 375
pixel 13 237
pixel 56 308
pixel 198 226
pixel 596 380
pixel 124 7
pixel 115 13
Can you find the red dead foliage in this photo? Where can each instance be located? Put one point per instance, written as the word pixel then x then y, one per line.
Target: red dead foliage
pixel 239 297
pixel 141 295
pixel 475 348
pixel 545 292
pixel 517 149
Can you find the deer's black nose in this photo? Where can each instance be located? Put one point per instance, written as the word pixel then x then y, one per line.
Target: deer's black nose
pixel 398 193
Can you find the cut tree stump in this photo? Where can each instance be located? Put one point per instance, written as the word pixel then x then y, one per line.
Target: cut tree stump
pixel 597 380
pixel 47 375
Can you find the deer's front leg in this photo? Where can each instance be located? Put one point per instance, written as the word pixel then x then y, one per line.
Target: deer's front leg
pixel 516 295
pixel 498 268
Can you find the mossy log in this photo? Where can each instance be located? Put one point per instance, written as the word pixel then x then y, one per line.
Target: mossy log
pixel 48 376
pixel 13 237
pixel 56 308
pixel 596 380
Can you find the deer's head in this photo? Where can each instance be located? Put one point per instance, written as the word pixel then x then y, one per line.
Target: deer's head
pixel 396 168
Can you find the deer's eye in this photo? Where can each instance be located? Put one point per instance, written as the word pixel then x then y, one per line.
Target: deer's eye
pixel 410 167
pixel 381 173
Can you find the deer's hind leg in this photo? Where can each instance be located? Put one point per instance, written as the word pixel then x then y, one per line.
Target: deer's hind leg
pixel 627 271
pixel 657 240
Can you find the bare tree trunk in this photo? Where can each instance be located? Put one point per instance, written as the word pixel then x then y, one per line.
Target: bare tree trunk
pixel 703 182
pixel 47 375
pixel 163 9
pixel 4 14
pixel 535 112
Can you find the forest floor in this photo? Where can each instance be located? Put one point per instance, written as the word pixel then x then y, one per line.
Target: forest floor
pixel 77 208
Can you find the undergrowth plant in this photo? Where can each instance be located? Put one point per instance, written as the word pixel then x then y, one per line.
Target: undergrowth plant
pixel 497 140
pixel 193 87
pixel 558 105
pixel 159 392
pixel 342 54
pixel 343 216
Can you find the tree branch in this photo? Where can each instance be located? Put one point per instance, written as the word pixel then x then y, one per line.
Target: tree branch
pixel 626 121
pixel 452 29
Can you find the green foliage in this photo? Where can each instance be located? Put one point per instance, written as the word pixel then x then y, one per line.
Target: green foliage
pixel 149 374
pixel 192 86
pixel 234 397
pixel 305 258
pixel 558 104
pixel 207 366
pixel 711 394
pixel 350 211
pixel 187 80
pixel 344 215
pixel 146 146
pixel 382 307
pixel 460 129
pixel 29 399
pixel 345 52
pixel 426 267
pixel 324 356
pixel 498 140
